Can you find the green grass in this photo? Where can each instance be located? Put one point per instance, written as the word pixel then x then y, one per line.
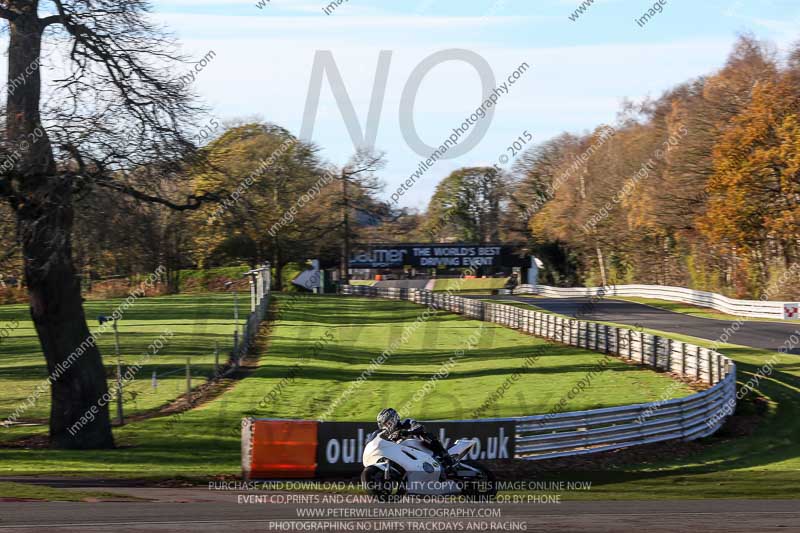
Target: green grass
pixel 205 441
pixel 764 464
pixel 25 491
pixel 459 284
pixel 197 321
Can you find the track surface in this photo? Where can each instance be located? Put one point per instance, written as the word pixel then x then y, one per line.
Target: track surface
pixel 203 510
pixel 765 335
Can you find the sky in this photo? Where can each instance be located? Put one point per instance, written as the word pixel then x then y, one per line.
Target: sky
pixel 580 70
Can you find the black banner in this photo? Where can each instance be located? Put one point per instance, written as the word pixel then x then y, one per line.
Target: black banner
pixel 436 255
pixel 341 444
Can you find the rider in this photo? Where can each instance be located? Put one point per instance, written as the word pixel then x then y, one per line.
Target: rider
pixel 395 430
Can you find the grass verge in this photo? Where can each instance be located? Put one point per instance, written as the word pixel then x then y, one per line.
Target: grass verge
pixel 25 491
pixel 198 321
pixel 318 348
pixel 754 456
pixel 471 284
pixel 692 310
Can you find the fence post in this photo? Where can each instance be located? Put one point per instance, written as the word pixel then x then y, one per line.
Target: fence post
pixel 188 374
pixel 252 294
pixel 683 359
pixel 605 339
pixel 697 363
pixel 258 281
pixel 120 416
pixel 641 346
pixel 655 351
pixel 630 344
pixel 596 337
pixel 710 368
pixel 669 355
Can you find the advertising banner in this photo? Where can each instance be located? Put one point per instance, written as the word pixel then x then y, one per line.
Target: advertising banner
pixel 436 255
pixel 341 444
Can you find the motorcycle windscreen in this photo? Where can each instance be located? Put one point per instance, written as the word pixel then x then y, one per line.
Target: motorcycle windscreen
pixel 461 447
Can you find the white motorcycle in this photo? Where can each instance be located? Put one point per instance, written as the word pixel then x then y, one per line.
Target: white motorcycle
pixel 409 467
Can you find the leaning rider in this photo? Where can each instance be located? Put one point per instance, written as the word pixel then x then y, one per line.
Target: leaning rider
pixel 395 430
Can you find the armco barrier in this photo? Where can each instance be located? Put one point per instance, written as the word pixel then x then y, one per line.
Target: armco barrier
pixel 560 434
pixel 750 308
pixel 300 449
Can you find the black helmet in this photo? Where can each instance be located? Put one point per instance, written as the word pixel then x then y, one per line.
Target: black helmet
pixel 388 419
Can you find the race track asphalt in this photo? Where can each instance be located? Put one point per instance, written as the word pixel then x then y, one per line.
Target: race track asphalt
pixel 206 511
pixel 765 335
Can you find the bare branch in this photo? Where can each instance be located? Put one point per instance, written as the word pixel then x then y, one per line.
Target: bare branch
pixel 7 14
pixel 192 201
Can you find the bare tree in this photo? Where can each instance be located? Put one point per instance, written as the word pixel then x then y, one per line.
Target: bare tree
pixel 117 107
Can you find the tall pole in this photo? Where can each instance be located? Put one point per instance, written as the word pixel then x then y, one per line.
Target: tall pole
pixel 120 417
pixel 235 320
pixel 345 266
pixel 252 293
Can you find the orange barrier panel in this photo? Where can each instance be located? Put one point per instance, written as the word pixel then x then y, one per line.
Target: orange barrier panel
pixel 279 448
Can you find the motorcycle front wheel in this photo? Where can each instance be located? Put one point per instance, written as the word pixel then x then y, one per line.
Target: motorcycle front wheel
pixel 374 481
pixel 482 486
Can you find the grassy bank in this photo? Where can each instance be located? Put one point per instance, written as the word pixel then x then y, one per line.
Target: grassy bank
pixel 197 321
pixel 757 457
pixel 349 333
pixel 476 284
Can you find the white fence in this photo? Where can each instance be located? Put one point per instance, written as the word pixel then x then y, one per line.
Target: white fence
pixel 558 434
pixel 260 282
pixel 752 308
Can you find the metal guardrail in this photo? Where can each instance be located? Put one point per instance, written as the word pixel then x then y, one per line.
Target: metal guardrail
pixel 551 435
pixel 751 308
pixel 259 303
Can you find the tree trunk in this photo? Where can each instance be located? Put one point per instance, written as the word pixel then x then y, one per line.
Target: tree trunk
pixel 602 262
pixel 44 213
pixel 74 363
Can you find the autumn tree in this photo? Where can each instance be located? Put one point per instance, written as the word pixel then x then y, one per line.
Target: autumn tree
pixel 629 206
pixel 754 206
